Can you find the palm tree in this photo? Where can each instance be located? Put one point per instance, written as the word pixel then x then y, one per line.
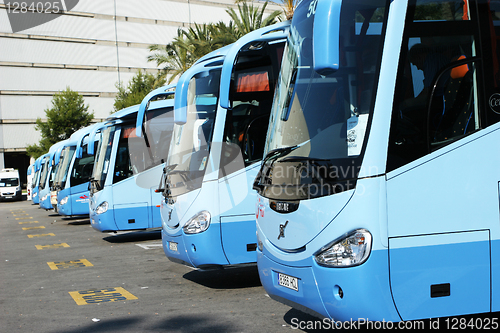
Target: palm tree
pixel 288 7
pixel 200 39
pixel 176 56
pixel 224 34
pixel 205 38
pixel 251 18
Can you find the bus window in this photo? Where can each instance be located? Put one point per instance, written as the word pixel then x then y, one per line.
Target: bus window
pixel 102 158
pixel 64 164
pixel 123 167
pixel 158 131
pixel 436 99
pixel 44 173
pixel 490 31
pixel 151 149
pixel 252 90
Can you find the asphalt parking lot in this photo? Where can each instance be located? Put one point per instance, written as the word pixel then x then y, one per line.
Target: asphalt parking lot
pixel 57 274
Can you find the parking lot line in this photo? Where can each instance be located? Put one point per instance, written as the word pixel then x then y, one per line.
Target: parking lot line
pixel 51 246
pixel 33 228
pixel 41 235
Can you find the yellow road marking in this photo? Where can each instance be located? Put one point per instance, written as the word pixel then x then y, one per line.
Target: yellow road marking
pixel 18 214
pixel 41 235
pixel 51 246
pixel 69 264
pixel 28 222
pixel 32 228
pixel 24 218
pixel 100 296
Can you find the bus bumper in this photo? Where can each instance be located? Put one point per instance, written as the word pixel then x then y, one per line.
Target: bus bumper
pixel 203 250
pixel 45 204
pixel 64 209
pixel 359 293
pixel 103 222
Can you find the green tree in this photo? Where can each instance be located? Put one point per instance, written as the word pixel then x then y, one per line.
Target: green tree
pixel 175 57
pixel 189 46
pixel 250 18
pixel 67 115
pixel 200 39
pixel 138 87
pixel 288 7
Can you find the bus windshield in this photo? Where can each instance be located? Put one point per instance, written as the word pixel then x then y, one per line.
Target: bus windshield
pixel 190 144
pixel 151 149
pixel 64 163
pixel 319 122
pixel 35 178
pixel 44 173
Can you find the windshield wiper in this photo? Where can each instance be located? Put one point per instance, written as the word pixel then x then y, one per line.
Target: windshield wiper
pixel 278 152
pixel 272 155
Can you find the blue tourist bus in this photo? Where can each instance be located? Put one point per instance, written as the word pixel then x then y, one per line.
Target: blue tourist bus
pixel 72 177
pixel 378 196
pixel 36 181
pixel 50 162
pixel 222 106
pixel 126 172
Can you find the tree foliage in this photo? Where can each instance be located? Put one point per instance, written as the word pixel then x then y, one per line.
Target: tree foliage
pixel 288 7
pixel 138 87
pixel 250 18
pixel 67 115
pixel 193 43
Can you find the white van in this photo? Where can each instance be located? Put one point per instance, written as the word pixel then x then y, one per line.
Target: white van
pixel 10 185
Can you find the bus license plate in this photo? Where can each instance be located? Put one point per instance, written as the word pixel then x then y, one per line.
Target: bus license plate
pixel 288 281
pixel 172 246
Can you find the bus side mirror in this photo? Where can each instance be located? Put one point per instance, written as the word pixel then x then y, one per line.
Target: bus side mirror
pixel 180 115
pixel 326 28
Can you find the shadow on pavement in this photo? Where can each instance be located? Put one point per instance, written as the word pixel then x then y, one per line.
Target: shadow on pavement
pixel 189 323
pixel 228 278
pixel 133 236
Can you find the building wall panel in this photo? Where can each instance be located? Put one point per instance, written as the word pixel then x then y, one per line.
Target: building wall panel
pixel 46 79
pixel 28 108
pixel 40 52
pixel 17 136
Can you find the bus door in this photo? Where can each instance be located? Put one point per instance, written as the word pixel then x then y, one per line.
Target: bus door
pixel 251 91
pixel 80 176
pixel 149 150
pixel 130 211
pixel 442 180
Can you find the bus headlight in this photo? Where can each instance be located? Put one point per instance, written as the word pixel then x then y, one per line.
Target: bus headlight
pixel 45 197
pixel 102 208
pixel 351 250
pixel 63 201
pixel 198 223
